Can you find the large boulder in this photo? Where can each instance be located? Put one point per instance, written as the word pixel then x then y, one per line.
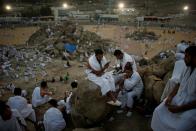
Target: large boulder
pixel 167 76
pixel 158 88
pixel 38 37
pixel 158 69
pixel 89 107
pixel 149 82
pixel 155 77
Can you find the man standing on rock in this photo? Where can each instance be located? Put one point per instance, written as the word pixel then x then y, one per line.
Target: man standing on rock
pixel 177 112
pixel 97 64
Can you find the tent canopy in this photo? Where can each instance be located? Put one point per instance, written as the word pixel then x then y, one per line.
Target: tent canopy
pixel 70 47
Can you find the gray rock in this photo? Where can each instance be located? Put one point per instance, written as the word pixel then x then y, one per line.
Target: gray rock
pixel 88 106
pixel 158 88
pixel 149 82
pixel 155 75
pixel 59 46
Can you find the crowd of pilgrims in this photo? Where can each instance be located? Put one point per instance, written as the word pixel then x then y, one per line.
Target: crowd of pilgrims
pixel 176 112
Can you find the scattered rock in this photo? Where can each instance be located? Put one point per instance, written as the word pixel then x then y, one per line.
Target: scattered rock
pixel 67 32
pixel 142 35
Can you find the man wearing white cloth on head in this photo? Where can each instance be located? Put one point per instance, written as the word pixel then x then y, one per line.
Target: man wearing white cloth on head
pixel 177 112
pixel 20 103
pixel 97 64
pixel 41 95
pixel 53 118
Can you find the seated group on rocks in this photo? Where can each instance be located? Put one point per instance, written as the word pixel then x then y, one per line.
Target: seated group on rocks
pixel 18 109
pixel 176 112
pixel 125 83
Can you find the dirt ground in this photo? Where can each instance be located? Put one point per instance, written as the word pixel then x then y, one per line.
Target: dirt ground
pixel 117 34
pixel 20 35
pixel 16 36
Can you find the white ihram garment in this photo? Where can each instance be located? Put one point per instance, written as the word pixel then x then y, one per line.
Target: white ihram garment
pixel 181 47
pixel 122 63
pixel 37 99
pixel 179 67
pixel 179 56
pixel 53 120
pixel 106 81
pixel 25 109
pixel 164 120
pixel 128 58
pixel 133 88
pixel 68 104
pixel 180 50
pixel 13 123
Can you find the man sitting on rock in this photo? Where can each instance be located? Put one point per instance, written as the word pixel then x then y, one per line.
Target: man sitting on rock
pixel 177 112
pixel 97 64
pixel 131 87
pixel 20 103
pixel 53 118
pixel 10 120
pixel 41 95
pixel 123 59
pixel 179 67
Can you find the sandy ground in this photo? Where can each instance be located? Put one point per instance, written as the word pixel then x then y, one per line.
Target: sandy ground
pixel 117 34
pixel 16 36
